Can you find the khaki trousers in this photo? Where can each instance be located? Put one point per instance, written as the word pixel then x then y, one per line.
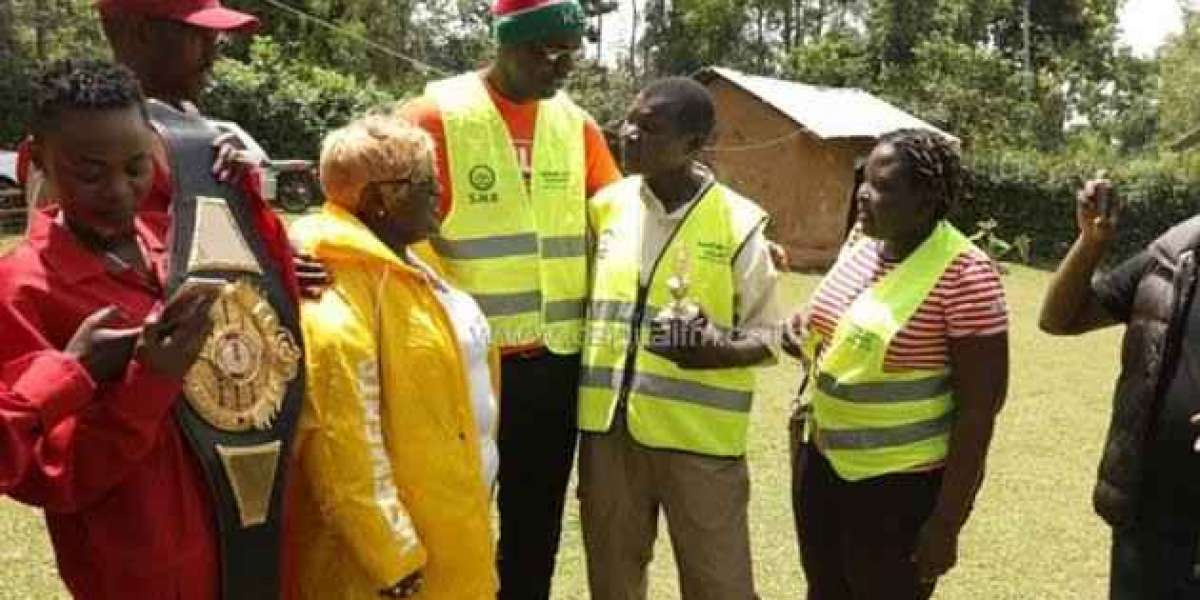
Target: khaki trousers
pixel 622 487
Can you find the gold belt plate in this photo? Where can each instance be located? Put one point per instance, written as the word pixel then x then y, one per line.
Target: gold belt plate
pixel 240 379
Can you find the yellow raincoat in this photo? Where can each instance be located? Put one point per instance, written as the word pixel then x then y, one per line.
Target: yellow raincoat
pixel 388 452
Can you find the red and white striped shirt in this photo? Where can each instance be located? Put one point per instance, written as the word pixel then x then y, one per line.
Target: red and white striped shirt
pixel 967 301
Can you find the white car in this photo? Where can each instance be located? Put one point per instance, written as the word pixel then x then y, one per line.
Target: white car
pixel 290 184
pixel 10 191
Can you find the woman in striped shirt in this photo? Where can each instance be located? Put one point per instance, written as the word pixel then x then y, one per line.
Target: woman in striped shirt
pixel 903 412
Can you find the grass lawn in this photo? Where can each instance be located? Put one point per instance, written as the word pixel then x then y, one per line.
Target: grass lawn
pixel 1032 536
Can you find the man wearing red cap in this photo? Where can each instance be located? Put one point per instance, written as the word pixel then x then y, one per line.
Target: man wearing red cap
pixel 185 496
pixel 171 46
pixel 517 162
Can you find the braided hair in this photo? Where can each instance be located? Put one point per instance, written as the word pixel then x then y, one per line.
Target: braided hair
pixel 75 84
pixel 933 162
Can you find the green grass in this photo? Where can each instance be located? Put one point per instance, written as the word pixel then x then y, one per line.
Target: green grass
pixel 1032 536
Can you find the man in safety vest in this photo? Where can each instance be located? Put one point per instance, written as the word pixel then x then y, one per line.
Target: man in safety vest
pixel 682 308
pixel 517 161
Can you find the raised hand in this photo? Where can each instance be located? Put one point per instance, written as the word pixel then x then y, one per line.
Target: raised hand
pixel 233 160
pixel 1097 208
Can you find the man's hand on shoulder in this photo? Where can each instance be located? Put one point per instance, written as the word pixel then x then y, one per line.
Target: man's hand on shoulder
pixel 233 161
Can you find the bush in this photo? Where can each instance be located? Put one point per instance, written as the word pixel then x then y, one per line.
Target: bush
pixel 16 97
pixel 1033 194
pixel 288 106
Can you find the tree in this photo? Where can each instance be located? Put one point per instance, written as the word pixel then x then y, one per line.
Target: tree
pixel 446 34
pixel 971 91
pixel 1123 109
pixel 682 36
pixel 839 59
pixel 595 10
pixel 1180 64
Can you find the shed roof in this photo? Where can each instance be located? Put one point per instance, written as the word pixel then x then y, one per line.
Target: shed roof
pixel 828 112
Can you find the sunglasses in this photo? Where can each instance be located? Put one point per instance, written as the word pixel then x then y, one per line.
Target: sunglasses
pixel 427 186
pixel 554 54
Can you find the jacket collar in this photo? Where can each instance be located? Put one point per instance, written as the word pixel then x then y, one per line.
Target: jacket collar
pixel 73 261
pixel 337 235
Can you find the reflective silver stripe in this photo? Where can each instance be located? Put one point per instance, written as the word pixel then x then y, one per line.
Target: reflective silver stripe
pixel 618 311
pixel 500 305
pixel 884 437
pixel 611 310
pixel 564 310
pixel 692 392
pixel 597 377
pixel 679 390
pixel 884 391
pixel 489 247
pixel 571 246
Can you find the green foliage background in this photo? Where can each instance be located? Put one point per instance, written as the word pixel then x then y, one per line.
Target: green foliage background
pixel 1035 119
pixel 1035 195
pixel 287 105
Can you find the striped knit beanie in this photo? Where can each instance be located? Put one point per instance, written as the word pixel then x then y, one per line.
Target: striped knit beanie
pixel 519 21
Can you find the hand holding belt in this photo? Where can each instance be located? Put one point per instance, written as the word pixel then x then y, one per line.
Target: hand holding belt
pixel 243 395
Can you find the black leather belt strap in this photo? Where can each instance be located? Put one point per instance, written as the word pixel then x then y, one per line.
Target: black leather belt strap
pixel 249 556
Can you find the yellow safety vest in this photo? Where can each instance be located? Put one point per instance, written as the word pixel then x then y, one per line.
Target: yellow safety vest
pixel 702 411
pixel 867 421
pixel 521 252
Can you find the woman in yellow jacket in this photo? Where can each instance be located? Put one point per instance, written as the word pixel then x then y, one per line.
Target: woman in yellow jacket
pixel 396 450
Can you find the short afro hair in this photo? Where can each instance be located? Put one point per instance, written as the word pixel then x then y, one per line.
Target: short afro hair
pixel 75 84
pixel 696 113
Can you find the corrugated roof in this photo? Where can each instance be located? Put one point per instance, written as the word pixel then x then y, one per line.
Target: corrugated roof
pixel 828 112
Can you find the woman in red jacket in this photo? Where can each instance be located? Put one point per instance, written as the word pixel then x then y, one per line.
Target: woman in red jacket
pixel 126 505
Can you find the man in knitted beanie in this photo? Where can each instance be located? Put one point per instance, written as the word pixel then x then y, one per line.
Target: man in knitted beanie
pixel 517 162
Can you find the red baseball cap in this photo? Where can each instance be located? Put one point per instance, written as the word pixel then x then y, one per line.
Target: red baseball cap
pixel 206 14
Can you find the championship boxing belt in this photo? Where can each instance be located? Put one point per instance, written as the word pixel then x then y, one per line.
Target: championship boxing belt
pixel 244 393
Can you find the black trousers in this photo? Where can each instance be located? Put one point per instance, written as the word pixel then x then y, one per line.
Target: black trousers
pixel 538 433
pixel 857 538
pixel 1150 563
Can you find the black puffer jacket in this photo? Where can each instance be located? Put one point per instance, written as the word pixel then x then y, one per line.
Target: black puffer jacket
pixel 1148 356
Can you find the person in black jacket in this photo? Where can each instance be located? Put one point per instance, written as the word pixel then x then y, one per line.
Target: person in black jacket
pixel 1149 480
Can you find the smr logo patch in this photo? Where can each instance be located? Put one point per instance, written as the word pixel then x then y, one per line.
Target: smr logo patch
pixel 483 178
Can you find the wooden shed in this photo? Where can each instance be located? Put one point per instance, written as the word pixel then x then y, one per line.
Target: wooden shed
pixel 792 148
